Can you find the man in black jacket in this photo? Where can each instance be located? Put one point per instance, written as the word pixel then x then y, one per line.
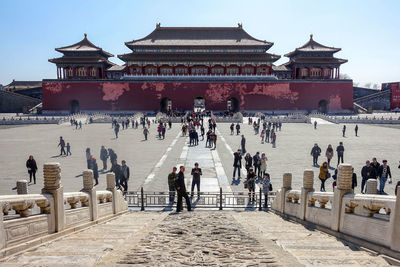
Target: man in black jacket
pixel 367 172
pixel 383 174
pixel 315 152
pixel 116 169
pixel 237 163
pixel 125 173
pixel 181 189
pixel 196 173
pixel 257 163
pixel 376 165
pixel 340 152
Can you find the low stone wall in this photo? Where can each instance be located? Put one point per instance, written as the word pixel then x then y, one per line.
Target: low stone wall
pixel 28 120
pixel 369 217
pixel 59 212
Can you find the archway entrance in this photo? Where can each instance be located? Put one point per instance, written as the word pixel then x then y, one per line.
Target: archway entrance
pixel 199 104
pixel 74 106
pixel 165 105
pixel 233 105
pixel 323 106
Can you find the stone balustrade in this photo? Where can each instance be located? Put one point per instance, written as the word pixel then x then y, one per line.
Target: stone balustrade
pixel 364 119
pixel 370 217
pixel 55 211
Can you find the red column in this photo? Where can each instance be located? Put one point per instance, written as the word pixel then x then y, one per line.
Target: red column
pixel 294 73
pixel 338 72
pixel 102 72
pixel 58 73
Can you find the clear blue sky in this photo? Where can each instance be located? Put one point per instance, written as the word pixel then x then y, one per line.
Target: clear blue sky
pixel 367 31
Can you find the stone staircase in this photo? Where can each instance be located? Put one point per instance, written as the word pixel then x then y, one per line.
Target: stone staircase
pixel 199 238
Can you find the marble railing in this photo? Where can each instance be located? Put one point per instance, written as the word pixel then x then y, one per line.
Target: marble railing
pixel 28 120
pixel 31 217
pixel 359 119
pixel 373 218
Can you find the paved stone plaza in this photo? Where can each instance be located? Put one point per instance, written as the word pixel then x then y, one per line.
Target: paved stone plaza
pixel 226 238
pixel 152 160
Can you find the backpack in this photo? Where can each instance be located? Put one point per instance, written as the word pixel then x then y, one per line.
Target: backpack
pixel 270 187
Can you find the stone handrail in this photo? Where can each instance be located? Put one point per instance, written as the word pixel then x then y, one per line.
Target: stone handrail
pixel 370 217
pixel 321 197
pixel 16 232
pixel 23 204
pixel 359 119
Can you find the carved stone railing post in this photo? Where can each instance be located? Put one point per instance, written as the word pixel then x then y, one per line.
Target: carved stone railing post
pixel 22 187
pixel 52 185
pixel 88 187
pixel 394 224
pixel 2 231
pixel 344 180
pixel 287 185
pixel 111 187
pixel 372 186
pixel 308 186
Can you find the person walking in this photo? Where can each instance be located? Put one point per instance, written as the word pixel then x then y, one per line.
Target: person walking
pixel 323 175
pixel 237 129
pixel 340 152
pixel 249 162
pixel 104 157
pixel 263 166
pixel 257 163
pixel 329 154
pixel 32 168
pixel 344 130
pixel 125 174
pixel 116 130
pixel 315 125
pixel 171 184
pixel 232 127
pixel 113 157
pixel 95 170
pixel 353 180
pixel 243 145
pixel 237 163
pixel 68 149
pixel 61 144
pixel 145 132
pixel 273 139
pixel 376 165
pixel 88 158
pixel 214 139
pixel 356 129
pixel 267 134
pixel 262 135
pixel 196 173
pixel 116 169
pixel 383 174
pixel 266 186
pixel 250 182
pixel 367 172
pixel 202 132
pixel 181 189
pixel 315 152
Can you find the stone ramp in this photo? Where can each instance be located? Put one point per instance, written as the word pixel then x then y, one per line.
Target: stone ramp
pixel 200 238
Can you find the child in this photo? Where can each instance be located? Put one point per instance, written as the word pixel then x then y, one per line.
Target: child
pixel 68 149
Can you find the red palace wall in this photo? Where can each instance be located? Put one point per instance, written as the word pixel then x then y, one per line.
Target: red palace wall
pixel 129 95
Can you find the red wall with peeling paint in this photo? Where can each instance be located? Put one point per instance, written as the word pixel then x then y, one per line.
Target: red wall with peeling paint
pixel 117 95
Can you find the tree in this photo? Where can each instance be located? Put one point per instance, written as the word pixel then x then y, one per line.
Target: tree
pixel 344 76
pixel 368 85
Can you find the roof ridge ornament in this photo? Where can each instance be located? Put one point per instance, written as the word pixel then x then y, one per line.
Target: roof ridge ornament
pixel 240 26
pixel 311 36
pixel 85 34
pixel 158 25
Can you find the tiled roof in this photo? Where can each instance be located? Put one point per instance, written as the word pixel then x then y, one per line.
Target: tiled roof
pixel 199 36
pixel 313 46
pixel 80 59
pixel 83 46
pixel 257 57
pixel 116 68
pixel 280 68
